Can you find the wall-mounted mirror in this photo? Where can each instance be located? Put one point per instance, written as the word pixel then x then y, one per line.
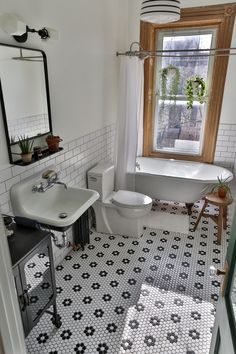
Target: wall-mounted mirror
pixel 24 94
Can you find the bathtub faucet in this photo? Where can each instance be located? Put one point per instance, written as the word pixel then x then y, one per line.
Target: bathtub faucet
pixel 137 165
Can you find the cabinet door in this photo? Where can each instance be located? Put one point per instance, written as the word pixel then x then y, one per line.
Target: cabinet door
pixel 38 278
pixel 22 299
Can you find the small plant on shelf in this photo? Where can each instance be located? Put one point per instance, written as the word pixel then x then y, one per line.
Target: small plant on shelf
pixel 221 188
pixel 26 147
pixel 53 142
pixel 195 90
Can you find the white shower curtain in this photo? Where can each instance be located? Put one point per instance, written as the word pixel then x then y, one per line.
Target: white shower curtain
pixel 129 139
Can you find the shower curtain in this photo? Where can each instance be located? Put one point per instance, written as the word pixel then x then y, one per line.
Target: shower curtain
pixel 129 135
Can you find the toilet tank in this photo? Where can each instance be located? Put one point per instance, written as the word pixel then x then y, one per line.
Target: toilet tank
pixel 101 179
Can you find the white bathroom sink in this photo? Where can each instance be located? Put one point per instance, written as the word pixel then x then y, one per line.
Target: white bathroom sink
pixel 46 207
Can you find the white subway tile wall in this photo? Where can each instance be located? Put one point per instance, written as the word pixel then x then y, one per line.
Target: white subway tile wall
pixel 225 153
pixel 81 154
pixel 73 163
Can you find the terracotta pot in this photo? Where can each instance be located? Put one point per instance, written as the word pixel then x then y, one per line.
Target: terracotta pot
pixel 26 158
pixel 53 143
pixel 222 192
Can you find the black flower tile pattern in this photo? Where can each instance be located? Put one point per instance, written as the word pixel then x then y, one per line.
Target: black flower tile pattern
pixel 127 296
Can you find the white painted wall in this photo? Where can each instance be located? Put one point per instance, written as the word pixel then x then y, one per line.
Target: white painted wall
pixel 83 68
pixel 228 109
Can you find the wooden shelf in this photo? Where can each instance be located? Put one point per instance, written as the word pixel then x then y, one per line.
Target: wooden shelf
pixel 45 153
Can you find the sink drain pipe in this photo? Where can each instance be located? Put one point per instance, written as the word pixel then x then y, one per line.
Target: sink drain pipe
pixel 65 243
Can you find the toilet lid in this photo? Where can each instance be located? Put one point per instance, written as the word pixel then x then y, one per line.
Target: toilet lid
pixel 131 199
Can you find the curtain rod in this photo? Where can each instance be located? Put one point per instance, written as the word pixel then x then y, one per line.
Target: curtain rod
pixel 169 53
pixel 145 55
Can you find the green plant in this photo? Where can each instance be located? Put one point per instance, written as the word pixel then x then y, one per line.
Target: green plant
pixel 222 185
pixel 172 73
pixel 25 144
pixel 195 89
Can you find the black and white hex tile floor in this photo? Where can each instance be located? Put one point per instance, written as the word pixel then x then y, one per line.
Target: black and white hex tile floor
pixel 149 295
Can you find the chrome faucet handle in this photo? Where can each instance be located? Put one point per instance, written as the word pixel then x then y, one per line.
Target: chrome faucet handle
pixel 37 187
pixel 34 188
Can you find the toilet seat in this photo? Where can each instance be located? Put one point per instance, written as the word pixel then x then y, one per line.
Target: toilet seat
pixel 127 199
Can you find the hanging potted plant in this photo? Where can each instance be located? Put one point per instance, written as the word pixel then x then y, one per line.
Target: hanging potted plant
pixel 172 74
pixel 25 145
pixel 221 188
pixel 195 90
pixel 53 142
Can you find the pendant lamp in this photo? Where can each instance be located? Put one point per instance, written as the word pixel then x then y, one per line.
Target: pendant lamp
pixel 160 11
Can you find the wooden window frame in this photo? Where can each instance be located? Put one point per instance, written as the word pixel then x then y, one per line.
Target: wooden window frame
pixel 216 16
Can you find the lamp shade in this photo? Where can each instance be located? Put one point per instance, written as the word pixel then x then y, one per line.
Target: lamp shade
pixel 11 25
pixel 160 11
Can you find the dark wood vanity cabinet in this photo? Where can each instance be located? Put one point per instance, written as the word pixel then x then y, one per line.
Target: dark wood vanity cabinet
pixel 33 269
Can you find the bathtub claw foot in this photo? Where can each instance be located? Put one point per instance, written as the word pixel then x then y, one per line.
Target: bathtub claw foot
pixel 189 207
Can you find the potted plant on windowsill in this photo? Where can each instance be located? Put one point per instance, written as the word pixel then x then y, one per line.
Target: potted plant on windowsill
pixel 53 142
pixel 195 90
pixel 221 188
pixel 25 145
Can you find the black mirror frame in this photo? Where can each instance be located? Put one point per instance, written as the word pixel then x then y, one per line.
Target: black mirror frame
pixel 9 144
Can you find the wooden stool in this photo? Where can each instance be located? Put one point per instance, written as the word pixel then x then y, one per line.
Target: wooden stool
pixel 221 219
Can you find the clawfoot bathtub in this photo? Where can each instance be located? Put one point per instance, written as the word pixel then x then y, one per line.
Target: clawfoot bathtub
pixel 175 180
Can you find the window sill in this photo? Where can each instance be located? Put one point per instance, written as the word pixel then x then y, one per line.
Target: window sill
pixel 163 155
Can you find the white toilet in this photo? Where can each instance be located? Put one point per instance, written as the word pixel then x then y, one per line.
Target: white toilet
pixel 121 212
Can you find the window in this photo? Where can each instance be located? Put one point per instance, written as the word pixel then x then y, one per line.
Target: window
pixel 170 129
pixel 178 129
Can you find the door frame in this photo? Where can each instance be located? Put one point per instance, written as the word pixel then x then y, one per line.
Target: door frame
pixel 11 329
pixel 224 311
pixel 221 315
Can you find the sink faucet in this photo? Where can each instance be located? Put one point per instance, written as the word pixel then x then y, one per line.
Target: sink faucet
pixel 52 178
pixel 62 183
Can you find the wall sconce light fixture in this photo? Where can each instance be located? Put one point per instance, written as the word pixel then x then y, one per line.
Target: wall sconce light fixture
pixel 43 33
pixel 18 29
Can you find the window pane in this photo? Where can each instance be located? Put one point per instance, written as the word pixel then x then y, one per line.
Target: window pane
pixel 176 128
pixel 179 130
pixel 189 66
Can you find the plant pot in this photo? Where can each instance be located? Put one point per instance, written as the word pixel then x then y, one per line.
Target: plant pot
pixel 53 143
pixel 222 192
pixel 26 158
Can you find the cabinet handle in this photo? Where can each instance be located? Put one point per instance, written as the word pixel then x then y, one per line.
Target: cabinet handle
pixel 27 298
pixel 22 302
